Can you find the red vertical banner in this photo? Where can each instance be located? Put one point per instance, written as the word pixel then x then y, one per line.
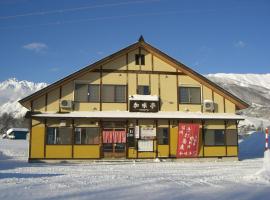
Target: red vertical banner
pixel 188 140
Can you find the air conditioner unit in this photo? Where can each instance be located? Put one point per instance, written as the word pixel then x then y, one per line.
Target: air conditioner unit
pixel 66 104
pixel 208 105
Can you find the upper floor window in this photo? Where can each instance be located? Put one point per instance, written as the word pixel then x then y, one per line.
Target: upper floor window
pixel 190 95
pixel 114 93
pixel 143 90
pixel 139 59
pixel 86 93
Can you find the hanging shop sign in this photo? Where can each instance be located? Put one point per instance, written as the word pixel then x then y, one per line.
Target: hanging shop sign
pixel 143 106
pixel 188 140
pixel 148 132
pixel 146 145
pixel 114 136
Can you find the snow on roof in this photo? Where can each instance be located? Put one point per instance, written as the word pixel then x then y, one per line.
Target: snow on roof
pixel 142 115
pixel 16 129
pixel 144 97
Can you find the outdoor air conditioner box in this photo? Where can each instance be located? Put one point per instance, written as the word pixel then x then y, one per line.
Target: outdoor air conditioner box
pixel 66 104
pixel 208 105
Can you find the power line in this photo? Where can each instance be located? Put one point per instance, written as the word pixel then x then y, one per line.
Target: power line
pixel 59 11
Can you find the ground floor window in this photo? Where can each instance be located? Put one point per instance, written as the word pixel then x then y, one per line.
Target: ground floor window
pixel 214 137
pixel 87 135
pixel 231 137
pixel 59 135
pixel 163 136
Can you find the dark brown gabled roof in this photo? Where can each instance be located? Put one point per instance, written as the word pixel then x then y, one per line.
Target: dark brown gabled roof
pixel 141 43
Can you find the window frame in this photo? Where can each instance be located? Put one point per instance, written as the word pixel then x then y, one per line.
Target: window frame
pixel 114 90
pixel 74 140
pixel 158 136
pixel 139 59
pixel 188 87
pixel 89 85
pixel 149 92
pixel 216 145
pixel 57 135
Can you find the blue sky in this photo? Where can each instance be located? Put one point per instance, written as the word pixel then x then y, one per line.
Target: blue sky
pixel 43 41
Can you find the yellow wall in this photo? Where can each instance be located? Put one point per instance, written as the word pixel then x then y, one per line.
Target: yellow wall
pixel 39 104
pixel 53 100
pixel 160 65
pixel 173 140
pixel 119 64
pixel 163 151
pixel 214 124
pixel 154 84
pixel 131 60
pixel 215 151
pixel 168 98
pixel 132 153
pixel 229 106
pixel 219 103
pixel 86 151
pixel 232 151
pixel 37 139
pixel 58 151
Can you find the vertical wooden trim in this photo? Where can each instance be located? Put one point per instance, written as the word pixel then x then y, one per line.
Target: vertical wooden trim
pixel 236 124
pixel 73 138
pixel 60 98
pixel 45 137
pixel 202 98
pixel 152 62
pixel 30 131
pixel 101 154
pixel 224 106
pixel 150 88
pixel 225 137
pixel 169 137
pixel 127 147
pixel 137 146
pixel 127 101
pixel 100 88
pixel 46 102
pixel 140 51
pixel 156 124
pixel 177 92
pixel 159 92
pixel 213 99
pixel 203 132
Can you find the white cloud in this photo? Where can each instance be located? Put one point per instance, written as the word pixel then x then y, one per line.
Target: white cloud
pixel 54 69
pixel 240 44
pixel 35 46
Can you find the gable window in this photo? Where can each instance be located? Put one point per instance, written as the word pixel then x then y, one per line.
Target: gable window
pixel 143 90
pixel 87 135
pixel 190 95
pixel 61 135
pixel 81 92
pixel 140 59
pixel 214 137
pixel 163 136
pixel 114 93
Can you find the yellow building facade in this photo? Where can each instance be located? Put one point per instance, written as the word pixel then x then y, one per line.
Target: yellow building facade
pixel 130 105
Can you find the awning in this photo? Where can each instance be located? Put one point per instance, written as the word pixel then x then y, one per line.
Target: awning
pixel 141 115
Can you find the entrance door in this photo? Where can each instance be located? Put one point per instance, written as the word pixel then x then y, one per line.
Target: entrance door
pixel 114 143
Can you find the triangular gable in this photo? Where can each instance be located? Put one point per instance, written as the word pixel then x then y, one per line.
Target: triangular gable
pixel 156 52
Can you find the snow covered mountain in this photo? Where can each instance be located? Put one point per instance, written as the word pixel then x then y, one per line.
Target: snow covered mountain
pixel 11 91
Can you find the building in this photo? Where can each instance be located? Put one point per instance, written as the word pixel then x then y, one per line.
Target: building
pixel 17 133
pixel 136 103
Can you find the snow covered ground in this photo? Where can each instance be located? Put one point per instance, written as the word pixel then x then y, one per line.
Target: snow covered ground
pixel 163 180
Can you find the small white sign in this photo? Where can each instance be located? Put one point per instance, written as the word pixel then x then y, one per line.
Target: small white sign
pixel 146 145
pixel 137 132
pixel 148 132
